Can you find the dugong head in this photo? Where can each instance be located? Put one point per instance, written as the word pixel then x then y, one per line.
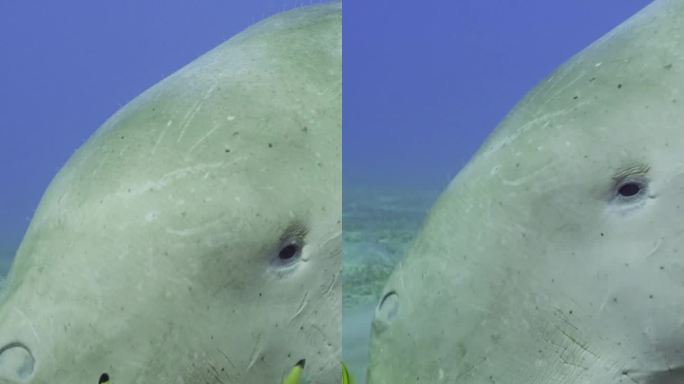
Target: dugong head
pixel 557 254
pixel 195 238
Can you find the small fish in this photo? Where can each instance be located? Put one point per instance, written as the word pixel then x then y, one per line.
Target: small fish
pixel 296 373
pixel 346 377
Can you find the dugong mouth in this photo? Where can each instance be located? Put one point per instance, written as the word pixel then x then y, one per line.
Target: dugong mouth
pixel 16 362
pixel 673 375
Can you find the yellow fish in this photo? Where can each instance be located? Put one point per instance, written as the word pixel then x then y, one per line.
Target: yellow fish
pixel 296 373
pixel 346 377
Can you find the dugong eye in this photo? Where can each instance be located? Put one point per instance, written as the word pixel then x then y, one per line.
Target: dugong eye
pixel 291 245
pixel 631 185
pixel 629 189
pixel 289 252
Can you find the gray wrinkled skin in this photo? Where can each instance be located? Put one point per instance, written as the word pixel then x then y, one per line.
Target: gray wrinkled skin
pixel 539 264
pixel 154 254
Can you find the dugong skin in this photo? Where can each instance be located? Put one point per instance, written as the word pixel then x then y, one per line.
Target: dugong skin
pixel 532 267
pixel 153 256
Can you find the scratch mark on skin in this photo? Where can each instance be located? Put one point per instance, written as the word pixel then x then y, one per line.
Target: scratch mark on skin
pixel 332 284
pixel 562 89
pixel 188 118
pixel 194 230
pixel 193 111
pixel 302 305
pixel 216 373
pixel 227 358
pixel 520 131
pixel 30 323
pixel 255 353
pixel 576 342
pixel 526 178
pixel 335 236
pixel 173 176
pixel 655 248
pixel 200 141
pixel 160 138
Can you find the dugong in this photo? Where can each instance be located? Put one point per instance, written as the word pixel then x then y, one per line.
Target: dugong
pixel 557 254
pixel 195 237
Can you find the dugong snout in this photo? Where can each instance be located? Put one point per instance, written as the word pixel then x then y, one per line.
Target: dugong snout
pixel 16 363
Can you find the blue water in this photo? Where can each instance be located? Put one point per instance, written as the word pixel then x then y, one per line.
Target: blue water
pixel 425 82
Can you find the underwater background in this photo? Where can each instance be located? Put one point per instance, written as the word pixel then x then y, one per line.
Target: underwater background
pixel 424 84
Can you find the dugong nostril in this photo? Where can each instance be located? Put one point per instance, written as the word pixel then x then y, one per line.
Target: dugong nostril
pixel 386 311
pixel 16 363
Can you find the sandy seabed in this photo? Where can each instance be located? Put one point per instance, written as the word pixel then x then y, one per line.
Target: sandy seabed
pixel 379 224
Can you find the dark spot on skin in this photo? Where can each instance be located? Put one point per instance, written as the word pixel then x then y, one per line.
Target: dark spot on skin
pixel 305 129
pixel 575 97
pixel 123 137
pixel 668 66
pixel 650 296
pixel 236 133
pixel 570 312
pixel 592 79
pixel 619 86
pixel 104 378
pixel 615 299
pixel 260 294
pixel 662 267
pixel 270 145
pixel 226 150
pixel 601 234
